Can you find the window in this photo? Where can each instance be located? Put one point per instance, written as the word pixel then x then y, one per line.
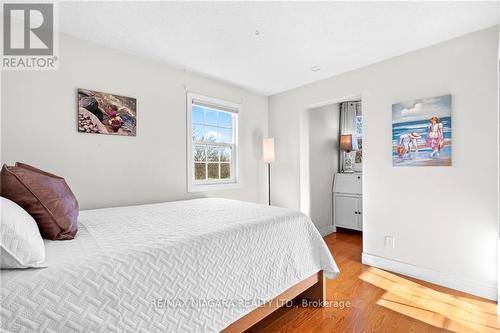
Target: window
pixel 212 143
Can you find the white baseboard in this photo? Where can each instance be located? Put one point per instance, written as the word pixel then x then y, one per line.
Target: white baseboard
pixel 477 288
pixel 326 230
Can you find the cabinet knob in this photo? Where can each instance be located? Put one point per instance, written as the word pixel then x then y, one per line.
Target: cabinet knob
pixel 359 177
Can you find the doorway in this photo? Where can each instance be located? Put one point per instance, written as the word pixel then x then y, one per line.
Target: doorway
pixel 321 161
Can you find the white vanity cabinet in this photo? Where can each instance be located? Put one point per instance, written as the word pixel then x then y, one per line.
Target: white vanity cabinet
pixel 348 201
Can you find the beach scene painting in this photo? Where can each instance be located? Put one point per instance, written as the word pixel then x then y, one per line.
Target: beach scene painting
pixel 105 113
pixel 421 132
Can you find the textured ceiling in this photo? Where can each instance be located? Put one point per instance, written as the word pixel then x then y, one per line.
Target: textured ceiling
pixel 219 39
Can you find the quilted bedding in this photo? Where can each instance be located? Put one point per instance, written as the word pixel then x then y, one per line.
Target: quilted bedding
pixel 185 266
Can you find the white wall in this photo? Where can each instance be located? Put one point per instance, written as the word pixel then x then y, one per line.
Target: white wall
pixel 322 157
pixel 39 117
pixel 444 219
pixel 498 149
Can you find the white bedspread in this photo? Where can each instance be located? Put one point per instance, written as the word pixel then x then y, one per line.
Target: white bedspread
pixel 184 266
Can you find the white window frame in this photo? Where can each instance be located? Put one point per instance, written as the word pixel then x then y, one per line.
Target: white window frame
pixel 213 184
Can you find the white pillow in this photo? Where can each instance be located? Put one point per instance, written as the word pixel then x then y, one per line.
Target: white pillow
pixel 21 245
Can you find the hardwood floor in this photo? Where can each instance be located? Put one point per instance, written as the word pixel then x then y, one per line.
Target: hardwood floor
pixel 383 302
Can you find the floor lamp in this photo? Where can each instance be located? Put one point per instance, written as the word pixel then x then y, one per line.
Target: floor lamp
pixel 268 155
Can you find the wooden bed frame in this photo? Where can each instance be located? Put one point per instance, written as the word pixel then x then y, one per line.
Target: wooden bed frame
pixel 313 288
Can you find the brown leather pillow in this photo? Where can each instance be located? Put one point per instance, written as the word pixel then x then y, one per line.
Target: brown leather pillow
pixel 44 196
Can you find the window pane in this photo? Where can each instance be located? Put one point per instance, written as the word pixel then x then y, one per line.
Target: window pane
pixel 198 132
pixel 197 114
pixel 211 117
pixel 225 119
pixel 210 134
pixel 225 170
pixel 200 171
pixel 213 154
pixel 225 155
pixel 199 154
pixel 225 135
pixel 213 170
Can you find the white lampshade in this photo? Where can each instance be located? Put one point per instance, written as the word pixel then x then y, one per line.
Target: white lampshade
pixel 268 150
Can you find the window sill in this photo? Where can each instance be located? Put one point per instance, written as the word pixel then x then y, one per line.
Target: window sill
pixel 213 186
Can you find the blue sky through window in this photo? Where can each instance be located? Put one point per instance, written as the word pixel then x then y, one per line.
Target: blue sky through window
pixel 211 117
pixel 211 125
pixel 197 116
pixel 225 119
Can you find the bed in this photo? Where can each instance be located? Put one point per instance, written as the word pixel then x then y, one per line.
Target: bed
pixel 202 265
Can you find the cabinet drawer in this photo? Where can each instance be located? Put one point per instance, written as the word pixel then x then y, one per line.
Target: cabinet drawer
pixel 350 183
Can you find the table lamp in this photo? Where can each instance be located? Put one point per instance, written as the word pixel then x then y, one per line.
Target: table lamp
pixel 346 145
